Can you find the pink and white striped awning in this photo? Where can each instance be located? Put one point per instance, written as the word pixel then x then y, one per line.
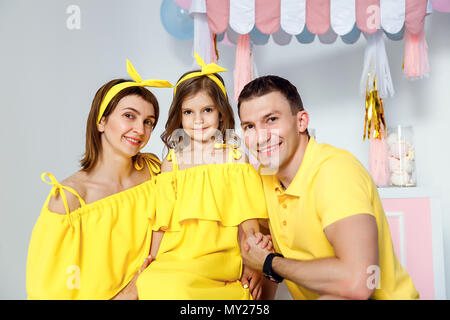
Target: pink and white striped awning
pixel 319 17
pixel 242 20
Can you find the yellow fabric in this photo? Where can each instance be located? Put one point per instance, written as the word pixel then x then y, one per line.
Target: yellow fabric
pixel 330 185
pixel 138 82
pixel 207 70
pixel 94 251
pixel 200 209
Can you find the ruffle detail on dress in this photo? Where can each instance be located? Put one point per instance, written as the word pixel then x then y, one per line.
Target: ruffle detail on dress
pixel 226 193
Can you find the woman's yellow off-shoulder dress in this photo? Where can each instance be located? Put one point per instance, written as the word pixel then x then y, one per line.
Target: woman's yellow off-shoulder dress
pixel 94 251
pixel 200 209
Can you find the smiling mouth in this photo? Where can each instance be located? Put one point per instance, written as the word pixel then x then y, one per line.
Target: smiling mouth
pixel 133 141
pixel 269 150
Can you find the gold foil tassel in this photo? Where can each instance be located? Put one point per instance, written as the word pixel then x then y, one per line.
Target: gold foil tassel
pixel 374 115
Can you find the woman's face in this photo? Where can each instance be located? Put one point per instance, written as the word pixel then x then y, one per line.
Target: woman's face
pixel 128 128
pixel 200 117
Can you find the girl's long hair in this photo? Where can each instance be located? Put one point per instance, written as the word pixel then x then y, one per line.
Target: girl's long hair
pixel 191 87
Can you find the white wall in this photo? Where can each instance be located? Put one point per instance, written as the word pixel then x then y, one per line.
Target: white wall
pixel 50 74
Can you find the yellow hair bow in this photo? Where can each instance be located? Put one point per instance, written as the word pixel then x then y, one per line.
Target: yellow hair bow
pixel 207 70
pixel 138 82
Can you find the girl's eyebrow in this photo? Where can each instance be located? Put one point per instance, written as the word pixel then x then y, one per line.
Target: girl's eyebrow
pixel 205 107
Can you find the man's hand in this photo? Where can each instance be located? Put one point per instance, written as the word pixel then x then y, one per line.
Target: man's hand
pixel 255 248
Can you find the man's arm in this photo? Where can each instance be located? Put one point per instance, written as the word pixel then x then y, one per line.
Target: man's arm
pixel 355 243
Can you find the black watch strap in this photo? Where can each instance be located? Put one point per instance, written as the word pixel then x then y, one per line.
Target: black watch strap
pixel 267 268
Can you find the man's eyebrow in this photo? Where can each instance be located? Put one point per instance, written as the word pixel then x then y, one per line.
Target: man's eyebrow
pixel 268 115
pixel 273 113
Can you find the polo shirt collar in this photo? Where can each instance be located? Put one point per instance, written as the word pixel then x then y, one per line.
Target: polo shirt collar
pixel 300 183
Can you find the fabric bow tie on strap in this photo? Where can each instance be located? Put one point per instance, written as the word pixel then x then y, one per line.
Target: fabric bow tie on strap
pixel 59 188
pixel 152 162
pixel 234 152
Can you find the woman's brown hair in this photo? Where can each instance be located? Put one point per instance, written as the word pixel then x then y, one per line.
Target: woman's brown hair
pixel 93 136
pixel 191 87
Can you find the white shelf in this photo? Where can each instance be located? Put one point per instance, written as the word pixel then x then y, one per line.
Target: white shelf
pixel 407 192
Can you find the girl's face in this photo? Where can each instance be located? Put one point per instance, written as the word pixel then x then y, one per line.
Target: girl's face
pixel 128 128
pixel 200 117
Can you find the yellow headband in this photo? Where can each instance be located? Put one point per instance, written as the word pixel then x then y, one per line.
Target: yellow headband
pixel 207 70
pixel 138 82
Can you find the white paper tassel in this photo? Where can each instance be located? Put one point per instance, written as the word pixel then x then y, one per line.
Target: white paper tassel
pixel 202 34
pixel 376 64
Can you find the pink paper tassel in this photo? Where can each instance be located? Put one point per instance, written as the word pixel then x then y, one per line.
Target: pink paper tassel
pixel 416 55
pixel 243 67
pixel 378 161
pixel 213 53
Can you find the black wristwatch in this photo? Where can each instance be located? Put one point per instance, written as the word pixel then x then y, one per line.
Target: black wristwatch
pixel 267 268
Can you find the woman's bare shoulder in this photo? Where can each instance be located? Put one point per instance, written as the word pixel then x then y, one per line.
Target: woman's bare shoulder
pixel 75 182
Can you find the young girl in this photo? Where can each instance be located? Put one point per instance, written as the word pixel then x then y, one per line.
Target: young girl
pixel 93 233
pixel 205 192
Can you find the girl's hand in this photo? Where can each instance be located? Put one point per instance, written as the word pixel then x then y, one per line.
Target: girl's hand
pixel 252 280
pixel 264 241
pixel 147 261
pixel 130 290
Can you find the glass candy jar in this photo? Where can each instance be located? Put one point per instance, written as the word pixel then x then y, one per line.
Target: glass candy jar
pixel 401 157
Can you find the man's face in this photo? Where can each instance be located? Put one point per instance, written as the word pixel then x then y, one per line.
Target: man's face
pixel 271 131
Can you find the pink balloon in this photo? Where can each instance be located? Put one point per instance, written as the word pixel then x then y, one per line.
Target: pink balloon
pixel 185 4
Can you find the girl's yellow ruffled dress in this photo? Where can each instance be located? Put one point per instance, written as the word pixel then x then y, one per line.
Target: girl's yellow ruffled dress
pixel 200 209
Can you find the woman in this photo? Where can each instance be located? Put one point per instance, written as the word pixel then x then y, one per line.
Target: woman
pixel 93 233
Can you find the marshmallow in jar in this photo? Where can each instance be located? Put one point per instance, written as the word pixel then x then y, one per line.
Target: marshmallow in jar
pixel 401 156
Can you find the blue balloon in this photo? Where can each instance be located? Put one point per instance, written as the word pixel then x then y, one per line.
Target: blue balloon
pixel 176 20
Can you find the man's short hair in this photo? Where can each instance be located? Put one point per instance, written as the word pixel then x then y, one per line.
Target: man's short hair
pixel 267 84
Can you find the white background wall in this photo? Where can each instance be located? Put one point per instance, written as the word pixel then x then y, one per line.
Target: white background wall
pixel 49 75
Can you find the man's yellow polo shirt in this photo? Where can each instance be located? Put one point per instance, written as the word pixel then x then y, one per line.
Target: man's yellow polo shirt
pixel 331 184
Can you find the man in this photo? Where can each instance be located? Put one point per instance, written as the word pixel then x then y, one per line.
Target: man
pixel 326 217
